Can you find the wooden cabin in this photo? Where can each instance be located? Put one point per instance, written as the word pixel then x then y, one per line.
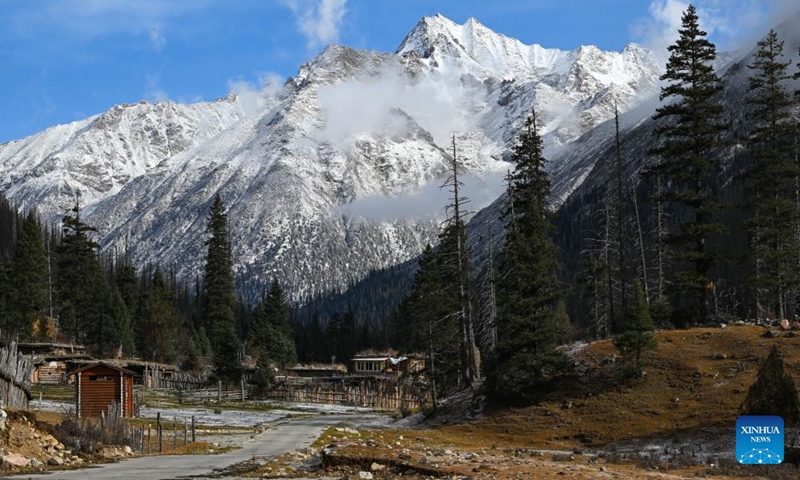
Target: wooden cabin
pixel 387 364
pixel 99 385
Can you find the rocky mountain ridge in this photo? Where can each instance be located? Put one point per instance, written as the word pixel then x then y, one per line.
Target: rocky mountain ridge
pixel 349 127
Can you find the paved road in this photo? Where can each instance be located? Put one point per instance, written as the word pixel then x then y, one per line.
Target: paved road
pixel 295 434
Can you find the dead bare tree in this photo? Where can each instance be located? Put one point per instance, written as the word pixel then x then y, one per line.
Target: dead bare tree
pixel 470 366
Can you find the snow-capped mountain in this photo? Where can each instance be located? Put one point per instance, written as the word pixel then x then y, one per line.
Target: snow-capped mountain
pixel 350 126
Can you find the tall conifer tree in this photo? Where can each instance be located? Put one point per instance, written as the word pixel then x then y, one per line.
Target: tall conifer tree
pixel 689 130
pixel 430 323
pixel 161 325
pixel 30 274
pixel 271 334
pixel 637 336
pixel 81 286
pixel 773 178
pixel 219 298
pixel 528 289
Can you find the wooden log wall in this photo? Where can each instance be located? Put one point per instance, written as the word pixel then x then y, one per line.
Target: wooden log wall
pixel 15 377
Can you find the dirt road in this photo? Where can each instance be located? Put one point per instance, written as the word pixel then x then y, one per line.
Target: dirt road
pixel 292 435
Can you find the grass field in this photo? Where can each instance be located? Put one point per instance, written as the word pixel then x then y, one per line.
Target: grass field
pixel 695 381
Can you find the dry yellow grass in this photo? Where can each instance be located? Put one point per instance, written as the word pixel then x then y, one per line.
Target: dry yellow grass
pixel 688 385
pixel 697 378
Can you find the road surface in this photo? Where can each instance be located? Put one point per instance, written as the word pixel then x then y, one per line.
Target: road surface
pixel 289 436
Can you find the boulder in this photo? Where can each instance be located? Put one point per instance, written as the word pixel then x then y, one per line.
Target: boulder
pixel 15 460
pixel 376 467
pixel 55 461
pixel 364 476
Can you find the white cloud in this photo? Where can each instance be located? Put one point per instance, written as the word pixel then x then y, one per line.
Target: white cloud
pixel 661 29
pixel 157 39
pixel 435 100
pixel 89 19
pixel 252 97
pixel 429 201
pixel 154 93
pixel 318 20
pixel 732 24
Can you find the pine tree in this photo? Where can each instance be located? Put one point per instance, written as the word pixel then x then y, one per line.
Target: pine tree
pixel 219 296
pixel 121 333
pixel 271 333
pixel 81 285
pixel 264 376
pixel 30 274
pixel 430 324
pixel 773 178
pixel 638 334
pixel 773 392
pixel 528 290
pixel 161 325
pixel 689 131
pixel 127 282
pixel 5 297
pixel 342 333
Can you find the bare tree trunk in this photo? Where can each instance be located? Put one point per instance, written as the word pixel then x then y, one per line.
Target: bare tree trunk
pixel 432 359
pixel 645 282
pixel 469 351
pixel 609 284
pixel 620 214
pixel 660 244
pixel 488 327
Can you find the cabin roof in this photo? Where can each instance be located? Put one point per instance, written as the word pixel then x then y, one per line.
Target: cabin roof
pixel 104 364
pixel 394 360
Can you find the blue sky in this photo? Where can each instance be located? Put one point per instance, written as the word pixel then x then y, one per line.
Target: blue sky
pixel 64 60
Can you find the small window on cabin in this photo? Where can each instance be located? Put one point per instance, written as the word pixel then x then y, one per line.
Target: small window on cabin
pixel 97 378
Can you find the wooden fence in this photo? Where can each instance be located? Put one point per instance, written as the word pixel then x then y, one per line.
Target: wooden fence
pixel 155 377
pixel 219 393
pixel 373 392
pixel 15 377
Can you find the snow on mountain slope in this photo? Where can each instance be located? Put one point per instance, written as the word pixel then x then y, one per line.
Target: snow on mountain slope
pixel 101 154
pixel 351 125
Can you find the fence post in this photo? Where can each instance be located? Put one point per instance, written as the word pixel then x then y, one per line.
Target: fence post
pixel 159 431
pixel 242 385
pixel 193 430
pixel 185 431
pixel 219 391
pixel 149 444
pixel 174 433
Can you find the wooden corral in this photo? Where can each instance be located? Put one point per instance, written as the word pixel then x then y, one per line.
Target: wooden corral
pixel 372 392
pixel 99 385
